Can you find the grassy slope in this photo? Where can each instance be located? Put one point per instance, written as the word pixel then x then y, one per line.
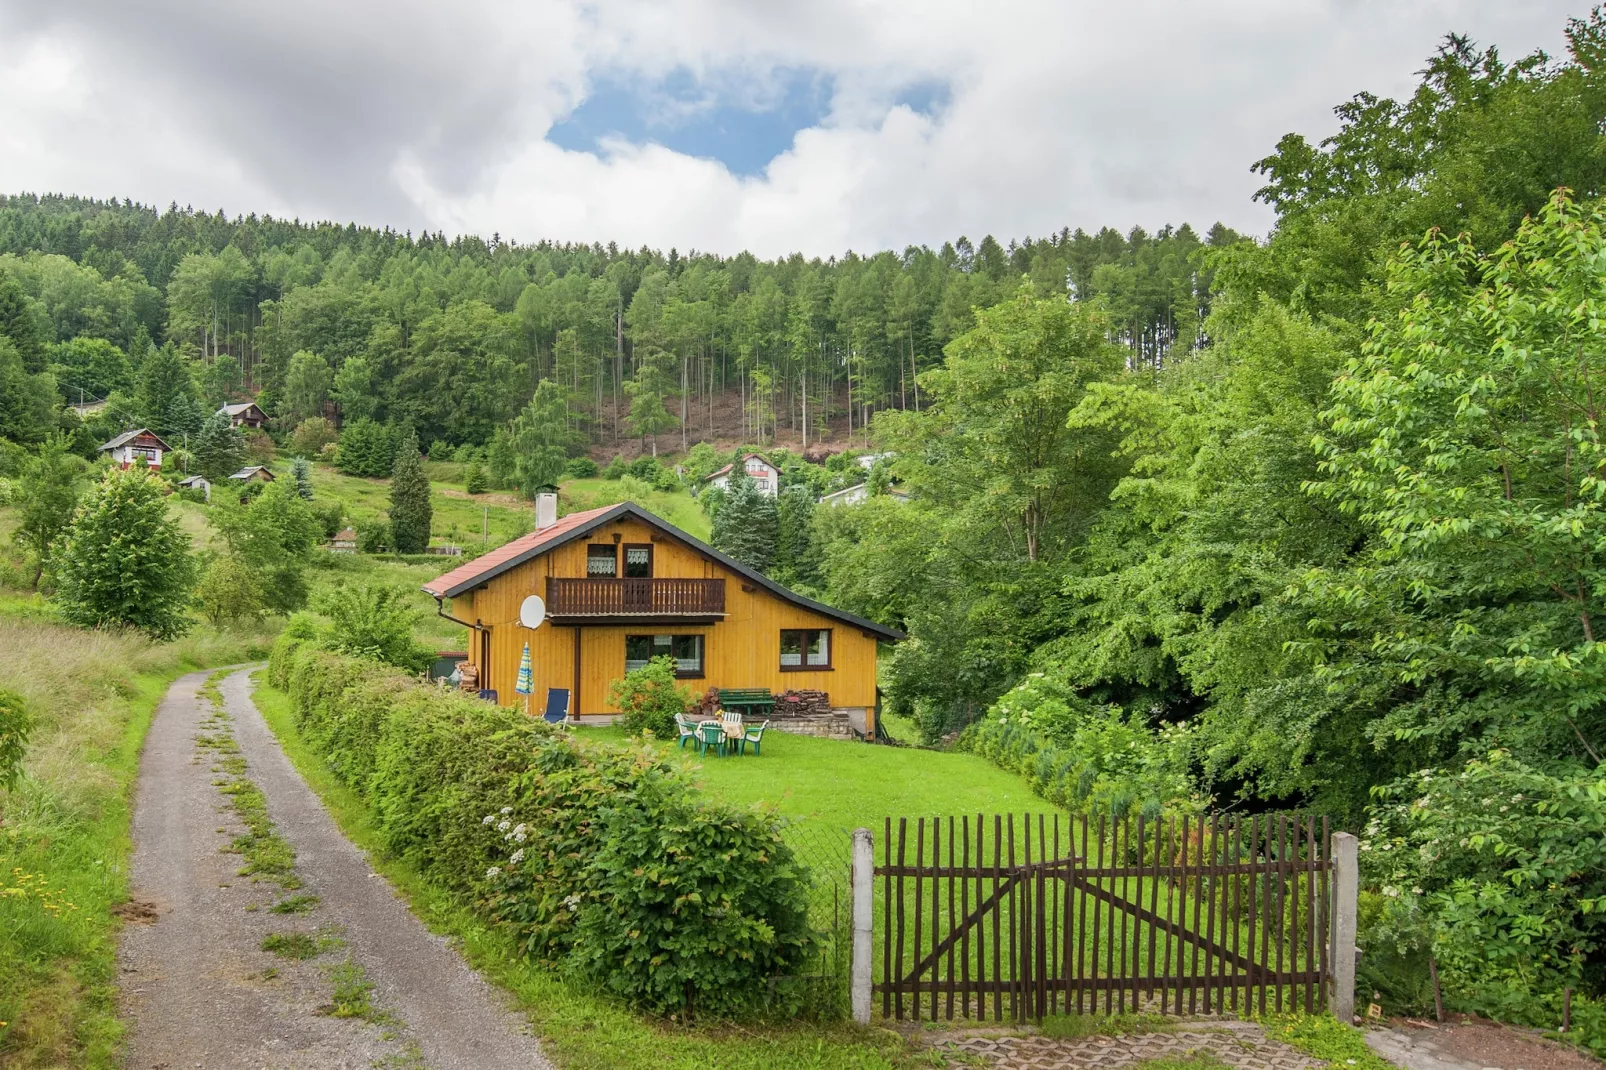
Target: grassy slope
pixel 581 1031
pixel 91 695
pixel 836 784
pixel 677 507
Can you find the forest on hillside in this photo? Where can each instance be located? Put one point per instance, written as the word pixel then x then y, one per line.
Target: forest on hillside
pixel 451 337
pixel 1191 523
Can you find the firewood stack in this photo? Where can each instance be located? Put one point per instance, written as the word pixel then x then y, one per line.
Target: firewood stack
pixel 806 704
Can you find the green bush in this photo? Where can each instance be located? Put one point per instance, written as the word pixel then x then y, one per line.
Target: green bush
pixel 474 480
pixel 374 622
pixel 15 725
pixel 580 468
pixel 650 698
pixel 1083 756
pixel 601 858
pixel 616 468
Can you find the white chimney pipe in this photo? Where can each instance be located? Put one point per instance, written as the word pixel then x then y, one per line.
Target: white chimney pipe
pixel 546 510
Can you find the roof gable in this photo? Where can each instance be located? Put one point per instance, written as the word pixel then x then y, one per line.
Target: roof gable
pixel 745 458
pixel 526 548
pixel 128 436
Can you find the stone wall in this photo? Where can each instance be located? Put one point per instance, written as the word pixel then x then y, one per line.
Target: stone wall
pixel 804 713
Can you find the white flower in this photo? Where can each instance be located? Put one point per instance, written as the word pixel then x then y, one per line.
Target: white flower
pixel 488 819
pixel 1416 891
pixel 491 873
pixel 503 825
pixel 518 830
pixel 506 810
pixel 518 856
pixel 519 837
pixel 573 902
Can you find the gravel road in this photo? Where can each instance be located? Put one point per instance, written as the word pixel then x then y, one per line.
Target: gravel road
pixel 197 989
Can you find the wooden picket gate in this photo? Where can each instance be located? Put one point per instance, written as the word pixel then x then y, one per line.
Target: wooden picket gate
pixel 1206 915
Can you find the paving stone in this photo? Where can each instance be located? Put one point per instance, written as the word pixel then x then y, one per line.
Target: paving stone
pixel 1241 1045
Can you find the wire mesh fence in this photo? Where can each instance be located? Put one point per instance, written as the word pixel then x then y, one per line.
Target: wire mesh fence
pixel 827 853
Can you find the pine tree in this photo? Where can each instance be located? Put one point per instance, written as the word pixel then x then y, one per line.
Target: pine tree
pixel 18 322
pixel 475 479
pixel 301 471
pixel 796 561
pixel 746 525
pixel 409 500
pixel 219 448
pixel 124 560
pixel 184 416
pixel 164 377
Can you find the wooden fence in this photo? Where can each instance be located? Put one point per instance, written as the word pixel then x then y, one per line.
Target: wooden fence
pixel 1030 915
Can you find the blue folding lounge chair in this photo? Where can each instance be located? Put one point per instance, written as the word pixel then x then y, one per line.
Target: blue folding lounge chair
pixel 557 705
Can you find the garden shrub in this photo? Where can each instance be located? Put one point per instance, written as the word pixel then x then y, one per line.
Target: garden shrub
pixel 580 468
pixel 15 724
pixel 1081 755
pixel 616 468
pixel 601 858
pixel 650 698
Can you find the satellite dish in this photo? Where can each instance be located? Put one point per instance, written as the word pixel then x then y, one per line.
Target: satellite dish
pixel 532 611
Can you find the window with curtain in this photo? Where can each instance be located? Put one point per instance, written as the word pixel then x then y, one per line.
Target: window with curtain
pixel 601 560
pixel 805 648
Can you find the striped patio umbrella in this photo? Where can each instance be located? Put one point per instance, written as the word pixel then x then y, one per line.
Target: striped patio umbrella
pixel 526 682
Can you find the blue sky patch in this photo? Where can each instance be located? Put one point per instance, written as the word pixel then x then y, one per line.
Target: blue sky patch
pixel 926 98
pixel 741 125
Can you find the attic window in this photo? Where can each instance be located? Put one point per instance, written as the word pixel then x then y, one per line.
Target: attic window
pixel 602 560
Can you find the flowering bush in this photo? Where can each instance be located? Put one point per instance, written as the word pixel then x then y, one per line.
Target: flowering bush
pixel 601 858
pixel 1081 755
pixel 1500 868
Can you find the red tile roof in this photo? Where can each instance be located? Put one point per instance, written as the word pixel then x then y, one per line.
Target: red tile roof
pixel 485 563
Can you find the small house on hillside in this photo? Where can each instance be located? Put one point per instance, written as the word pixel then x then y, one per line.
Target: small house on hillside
pixel 255 474
pixel 766 475
pixel 200 483
pixel 247 414
pixel 622 586
pixel 344 542
pixel 132 447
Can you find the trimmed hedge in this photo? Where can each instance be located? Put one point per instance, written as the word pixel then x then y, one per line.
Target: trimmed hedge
pixel 603 859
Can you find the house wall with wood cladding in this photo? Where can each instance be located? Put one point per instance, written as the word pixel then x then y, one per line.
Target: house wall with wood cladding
pixel 743 650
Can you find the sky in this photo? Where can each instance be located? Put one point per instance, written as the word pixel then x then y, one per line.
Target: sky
pixel 775 126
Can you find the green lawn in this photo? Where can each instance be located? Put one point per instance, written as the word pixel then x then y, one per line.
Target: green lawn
pixel 677 507
pixel 836 784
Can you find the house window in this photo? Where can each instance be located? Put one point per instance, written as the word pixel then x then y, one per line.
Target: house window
pixel 687 650
pixel 805 648
pixel 638 561
pixel 601 560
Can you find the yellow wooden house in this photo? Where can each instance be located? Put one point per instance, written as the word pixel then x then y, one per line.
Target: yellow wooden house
pixel 621 586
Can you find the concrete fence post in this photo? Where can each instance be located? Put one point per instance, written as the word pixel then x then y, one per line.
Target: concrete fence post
pixel 1341 944
pixel 863 883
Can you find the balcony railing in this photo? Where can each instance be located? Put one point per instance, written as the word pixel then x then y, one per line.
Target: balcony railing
pixel 642 598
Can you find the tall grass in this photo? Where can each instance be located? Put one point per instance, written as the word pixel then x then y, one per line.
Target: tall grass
pixel 64 841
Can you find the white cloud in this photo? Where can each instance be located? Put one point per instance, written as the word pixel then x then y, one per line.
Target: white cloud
pixel 1060 111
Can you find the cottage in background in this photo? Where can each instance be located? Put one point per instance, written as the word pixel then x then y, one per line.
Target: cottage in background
pixel 247 414
pixel 766 475
pixel 131 447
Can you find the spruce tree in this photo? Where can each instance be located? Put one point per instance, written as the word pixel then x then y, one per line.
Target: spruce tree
pixel 18 322
pixel 219 448
pixel 475 479
pixel 164 377
pixel 301 471
pixel 746 525
pixel 124 560
pixel 409 500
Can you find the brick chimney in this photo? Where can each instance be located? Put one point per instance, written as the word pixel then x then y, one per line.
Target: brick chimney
pixel 546 510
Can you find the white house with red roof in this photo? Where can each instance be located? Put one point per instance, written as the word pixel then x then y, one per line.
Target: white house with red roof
pixel 766 475
pixel 132 447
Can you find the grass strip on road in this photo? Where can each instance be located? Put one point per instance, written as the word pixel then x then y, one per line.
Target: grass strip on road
pixel 579 1030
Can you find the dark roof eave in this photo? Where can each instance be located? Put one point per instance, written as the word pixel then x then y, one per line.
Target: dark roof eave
pixel 881 631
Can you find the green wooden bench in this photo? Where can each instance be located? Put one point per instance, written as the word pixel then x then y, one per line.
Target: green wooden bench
pixel 752 700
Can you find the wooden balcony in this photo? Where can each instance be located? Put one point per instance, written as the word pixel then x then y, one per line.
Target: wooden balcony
pixel 600 599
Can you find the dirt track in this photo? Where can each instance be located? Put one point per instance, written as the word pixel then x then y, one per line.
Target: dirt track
pixel 197 988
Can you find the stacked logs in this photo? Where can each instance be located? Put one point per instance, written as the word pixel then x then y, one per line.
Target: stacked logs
pixel 811 704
